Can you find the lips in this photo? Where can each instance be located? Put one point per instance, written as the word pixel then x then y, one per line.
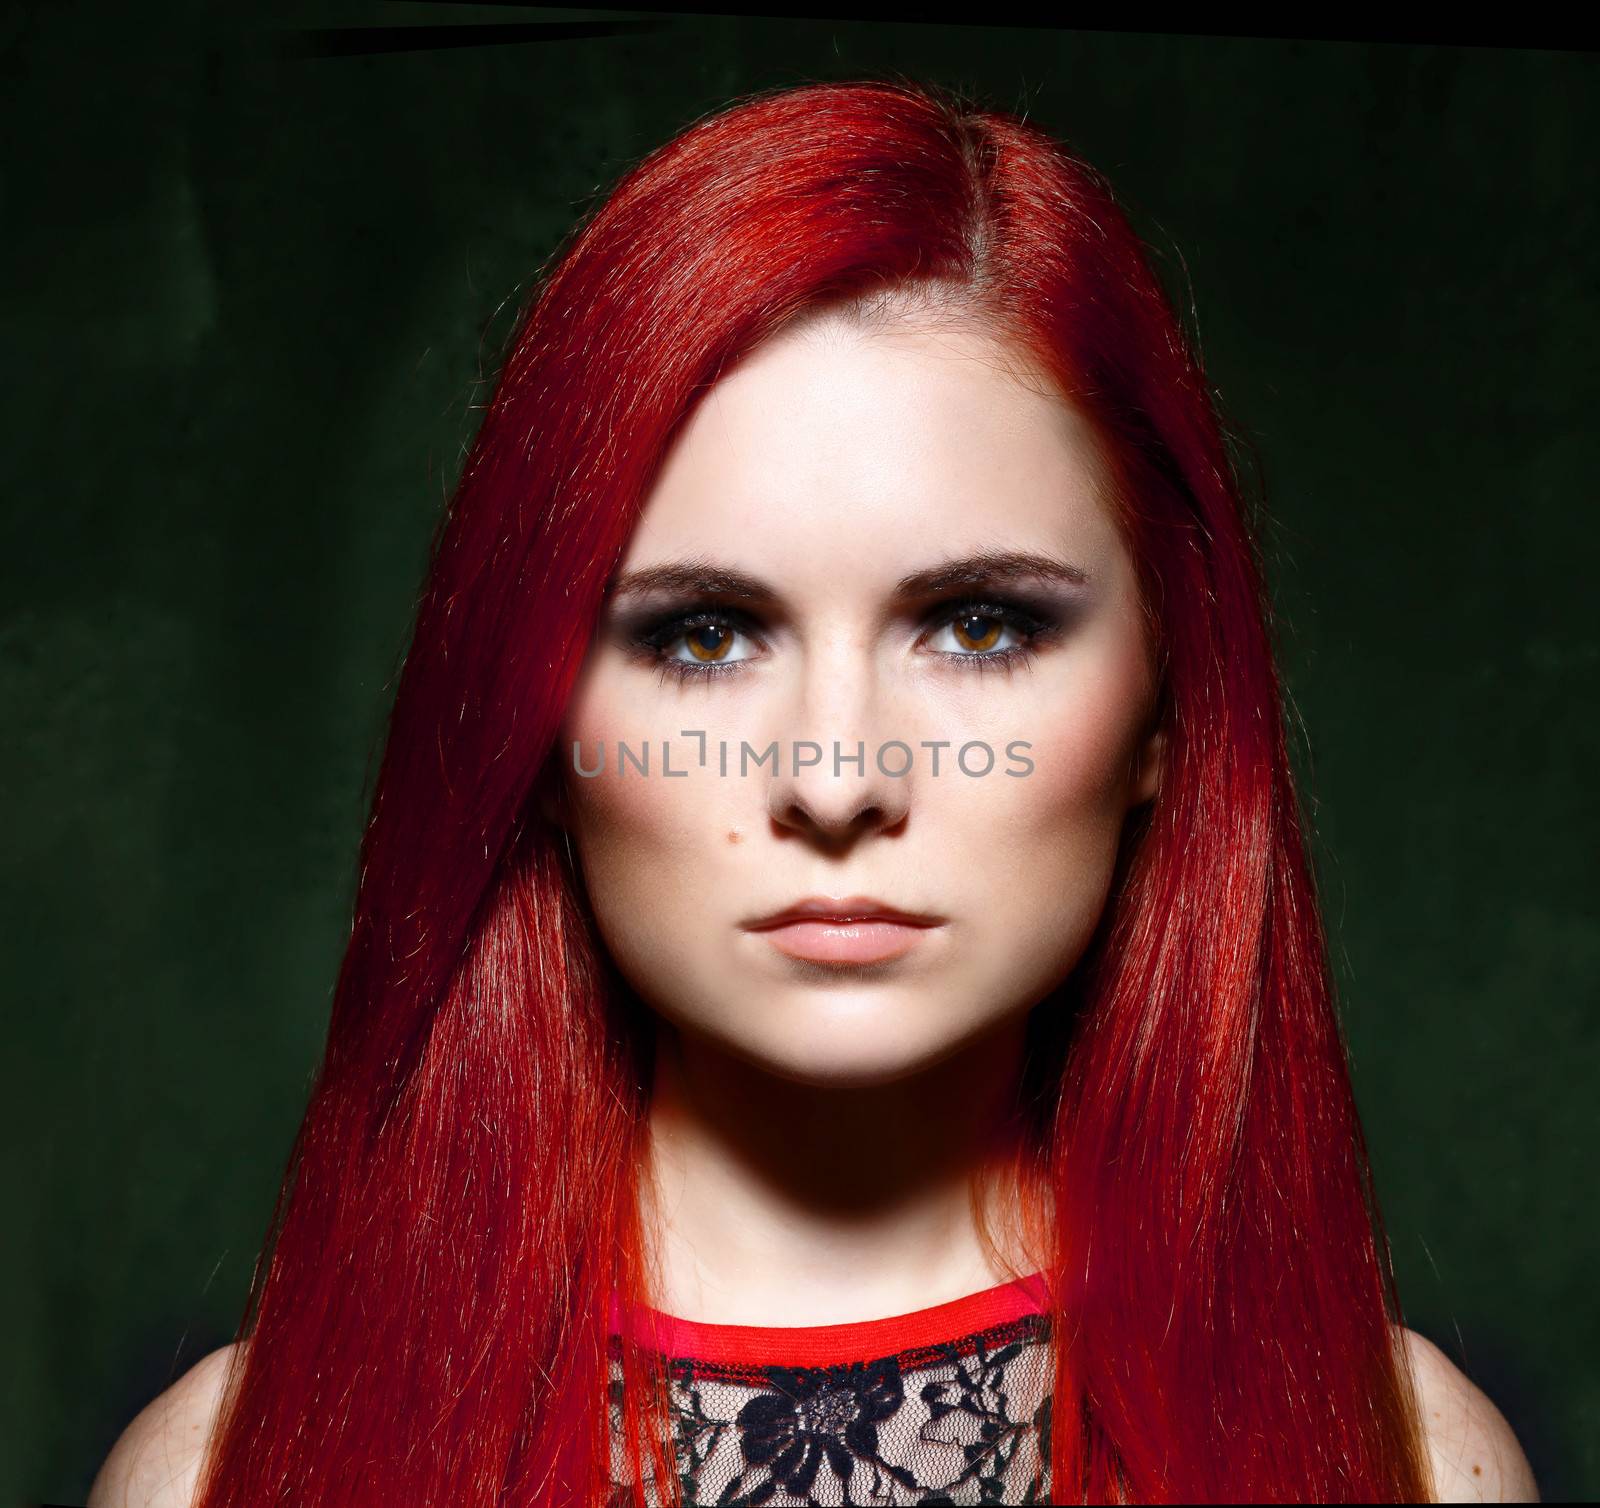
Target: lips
pixel 841 910
pixel 848 930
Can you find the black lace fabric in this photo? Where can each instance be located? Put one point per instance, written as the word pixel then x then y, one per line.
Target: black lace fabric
pixel 961 1421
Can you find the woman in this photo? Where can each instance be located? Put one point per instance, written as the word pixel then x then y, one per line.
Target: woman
pixel 836 1009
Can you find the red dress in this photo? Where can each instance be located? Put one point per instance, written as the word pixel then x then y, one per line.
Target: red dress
pixel 949 1404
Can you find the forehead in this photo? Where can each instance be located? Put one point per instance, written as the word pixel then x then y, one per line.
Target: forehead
pixel 850 452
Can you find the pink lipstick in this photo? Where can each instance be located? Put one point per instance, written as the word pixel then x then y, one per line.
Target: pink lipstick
pixel 848 930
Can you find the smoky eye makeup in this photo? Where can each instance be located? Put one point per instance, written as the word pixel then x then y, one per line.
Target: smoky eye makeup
pixel 972 623
pixel 707 629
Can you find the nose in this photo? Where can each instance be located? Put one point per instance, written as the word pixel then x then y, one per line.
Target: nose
pixel 841 775
pixel 838 817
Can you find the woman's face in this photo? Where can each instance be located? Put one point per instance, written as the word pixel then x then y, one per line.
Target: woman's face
pixel 833 472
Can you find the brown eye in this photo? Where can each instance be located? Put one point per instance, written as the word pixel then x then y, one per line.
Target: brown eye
pixel 985 632
pixel 970 633
pixel 709 637
pixel 709 642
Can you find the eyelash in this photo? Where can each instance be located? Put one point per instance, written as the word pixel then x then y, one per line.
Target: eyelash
pixel 654 638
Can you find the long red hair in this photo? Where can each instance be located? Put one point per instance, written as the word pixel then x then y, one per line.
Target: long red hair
pixel 428 1322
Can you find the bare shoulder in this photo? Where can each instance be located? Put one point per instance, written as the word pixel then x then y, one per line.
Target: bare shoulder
pixel 1473 1452
pixel 156 1461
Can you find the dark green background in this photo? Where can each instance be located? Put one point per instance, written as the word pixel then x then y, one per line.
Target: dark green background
pixel 249 303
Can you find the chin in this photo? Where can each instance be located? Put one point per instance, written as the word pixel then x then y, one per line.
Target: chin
pixel 854 1054
pixel 843 1070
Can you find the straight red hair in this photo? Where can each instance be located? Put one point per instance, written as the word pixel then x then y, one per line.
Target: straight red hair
pixel 428 1320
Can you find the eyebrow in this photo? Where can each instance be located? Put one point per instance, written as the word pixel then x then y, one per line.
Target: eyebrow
pixel 982 568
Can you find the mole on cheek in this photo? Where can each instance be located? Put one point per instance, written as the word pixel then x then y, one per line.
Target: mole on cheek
pixel 735 836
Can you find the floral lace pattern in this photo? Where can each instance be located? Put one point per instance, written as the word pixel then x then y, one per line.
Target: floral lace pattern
pixel 960 1421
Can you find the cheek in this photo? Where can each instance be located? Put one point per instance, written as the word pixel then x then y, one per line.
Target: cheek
pixel 1086 768
pixel 622 818
pixel 654 851
pixel 617 821
pixel 1045 843
pixel 1081 764
pixel 1053 831
pixel 1095 726
pixel 640 865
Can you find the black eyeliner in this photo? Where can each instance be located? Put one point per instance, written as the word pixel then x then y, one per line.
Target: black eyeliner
pixel 647 634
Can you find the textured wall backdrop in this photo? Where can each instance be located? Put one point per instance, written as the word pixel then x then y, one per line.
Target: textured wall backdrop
pixel 249 301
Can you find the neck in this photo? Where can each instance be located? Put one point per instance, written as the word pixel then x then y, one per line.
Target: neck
pixel 772 1202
